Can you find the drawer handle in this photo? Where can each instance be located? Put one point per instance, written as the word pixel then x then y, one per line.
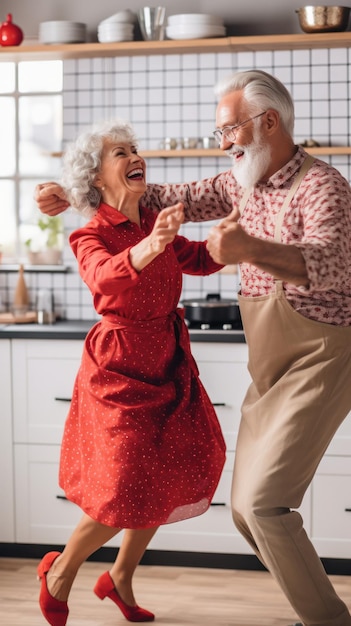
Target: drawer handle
pixel 347 510
pixel 218 404
pixel 63 399
pixel 59 497
pixel 218 504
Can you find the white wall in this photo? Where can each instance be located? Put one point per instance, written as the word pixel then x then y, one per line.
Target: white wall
pixel 241 18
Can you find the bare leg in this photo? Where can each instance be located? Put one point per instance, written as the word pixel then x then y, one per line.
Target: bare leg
pixel 132 548
pixel 87 537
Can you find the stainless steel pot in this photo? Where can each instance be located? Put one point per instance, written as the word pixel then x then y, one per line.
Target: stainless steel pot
pixel 212 310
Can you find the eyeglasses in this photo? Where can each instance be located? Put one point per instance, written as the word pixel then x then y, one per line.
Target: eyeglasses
pixel 230 132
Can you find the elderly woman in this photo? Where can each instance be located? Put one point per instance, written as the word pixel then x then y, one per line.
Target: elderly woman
pixel 142 445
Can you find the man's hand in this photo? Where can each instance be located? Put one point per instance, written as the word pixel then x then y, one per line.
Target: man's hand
pixel 228 243
pixel 50 198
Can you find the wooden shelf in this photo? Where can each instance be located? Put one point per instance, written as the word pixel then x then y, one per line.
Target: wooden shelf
pixel 35 51
pixel 169 154
pixel 207 152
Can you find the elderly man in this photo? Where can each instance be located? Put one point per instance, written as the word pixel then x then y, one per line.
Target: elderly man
pixel 287 223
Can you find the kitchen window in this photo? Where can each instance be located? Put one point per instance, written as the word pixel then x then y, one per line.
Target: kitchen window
pixel 31 132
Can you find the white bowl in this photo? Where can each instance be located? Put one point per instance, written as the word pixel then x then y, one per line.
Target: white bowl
pixel 113 37
pixel 195 32
pixel 62 31
pixel 194 18
pixel 126 16
pixel 116 28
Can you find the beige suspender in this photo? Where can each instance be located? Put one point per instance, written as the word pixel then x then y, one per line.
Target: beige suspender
pixel 277 231
pixel 304 169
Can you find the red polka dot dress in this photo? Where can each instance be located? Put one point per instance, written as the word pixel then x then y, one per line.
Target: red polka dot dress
pixel 142 445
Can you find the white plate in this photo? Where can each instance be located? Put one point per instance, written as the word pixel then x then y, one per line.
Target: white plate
pixel 195 18
pixel 195 32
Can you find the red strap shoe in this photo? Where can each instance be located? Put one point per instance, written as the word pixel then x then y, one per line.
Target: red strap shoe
pixel 105 587
pixel 54 611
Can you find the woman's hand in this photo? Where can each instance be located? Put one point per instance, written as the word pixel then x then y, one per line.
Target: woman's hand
pixel 165 229
pixel 51 198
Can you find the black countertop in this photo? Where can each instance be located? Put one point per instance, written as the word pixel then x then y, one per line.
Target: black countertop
pixel 77 329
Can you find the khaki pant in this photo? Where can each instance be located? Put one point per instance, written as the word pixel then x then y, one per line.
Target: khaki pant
pixel 300 394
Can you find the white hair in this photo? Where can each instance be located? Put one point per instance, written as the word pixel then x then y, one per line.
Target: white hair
pixel 261 91
pixel 82 161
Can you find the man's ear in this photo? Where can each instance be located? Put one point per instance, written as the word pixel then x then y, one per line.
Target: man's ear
pixel 272 119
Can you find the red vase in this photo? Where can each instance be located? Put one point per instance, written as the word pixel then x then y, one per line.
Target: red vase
pixel 10 34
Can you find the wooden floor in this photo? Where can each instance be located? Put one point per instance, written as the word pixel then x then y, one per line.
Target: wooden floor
pixel 179 596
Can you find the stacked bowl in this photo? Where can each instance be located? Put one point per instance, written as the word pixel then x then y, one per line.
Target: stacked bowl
pixel 194 26
pixel 118 27
pixel 62 31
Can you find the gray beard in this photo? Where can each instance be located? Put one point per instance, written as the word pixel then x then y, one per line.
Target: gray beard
pixel 253 164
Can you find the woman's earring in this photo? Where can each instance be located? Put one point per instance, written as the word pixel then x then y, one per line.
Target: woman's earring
pixel 103 188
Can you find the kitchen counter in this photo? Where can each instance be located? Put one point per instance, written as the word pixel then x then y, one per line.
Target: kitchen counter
pixel 77 329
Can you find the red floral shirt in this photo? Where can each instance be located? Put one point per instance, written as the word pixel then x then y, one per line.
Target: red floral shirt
pixel 317 221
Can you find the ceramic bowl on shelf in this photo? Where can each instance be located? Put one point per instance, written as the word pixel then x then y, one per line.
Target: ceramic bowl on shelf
pixel 123 17
pixel 194 18
pixel 115 31
pixel 195 31
pixel 62 31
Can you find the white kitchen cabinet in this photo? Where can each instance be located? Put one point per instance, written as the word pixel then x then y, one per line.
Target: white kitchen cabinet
pixel 331 506
pixel 7 521
pixel 44 373
pixel 43 514
pixel 43 376
pixel 223 371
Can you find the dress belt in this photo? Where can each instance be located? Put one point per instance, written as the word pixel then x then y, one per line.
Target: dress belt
pixel 155 324
pixel 176 318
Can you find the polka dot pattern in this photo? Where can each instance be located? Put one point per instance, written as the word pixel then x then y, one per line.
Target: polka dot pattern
pixel 142 445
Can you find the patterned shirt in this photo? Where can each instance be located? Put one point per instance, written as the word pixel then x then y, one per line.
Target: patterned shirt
pixel 317 221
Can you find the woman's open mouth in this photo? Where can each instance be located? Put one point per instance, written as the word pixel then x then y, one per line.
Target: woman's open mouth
pixel 136 174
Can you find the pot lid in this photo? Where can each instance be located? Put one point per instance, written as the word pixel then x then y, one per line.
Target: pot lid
pixel 212 300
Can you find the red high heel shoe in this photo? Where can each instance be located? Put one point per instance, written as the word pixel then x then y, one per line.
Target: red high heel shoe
pixel 54 611
pixel 105 587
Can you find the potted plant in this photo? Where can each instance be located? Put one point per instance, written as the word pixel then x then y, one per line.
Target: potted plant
pixel 46 244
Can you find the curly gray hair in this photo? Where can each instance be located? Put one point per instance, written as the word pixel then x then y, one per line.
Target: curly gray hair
pixel 82 161
pixel 261 91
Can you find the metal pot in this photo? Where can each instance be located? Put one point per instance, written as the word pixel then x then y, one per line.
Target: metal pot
pixel 212 310
pixel 322 19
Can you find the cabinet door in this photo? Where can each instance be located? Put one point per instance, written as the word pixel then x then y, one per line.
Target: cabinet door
pixel 43 514
pixel 341 442
pixel 6 460
pixel 214 531
pixel 43 378
pixel 224 374
pixel 331 508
